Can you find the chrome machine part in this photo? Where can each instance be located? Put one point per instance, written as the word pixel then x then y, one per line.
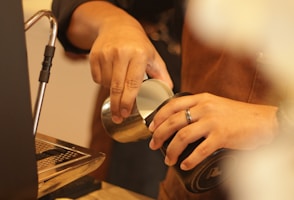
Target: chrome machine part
pixel 47 62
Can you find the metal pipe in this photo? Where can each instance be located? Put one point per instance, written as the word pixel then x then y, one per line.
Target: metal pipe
pixel 47 63
pixel 53 24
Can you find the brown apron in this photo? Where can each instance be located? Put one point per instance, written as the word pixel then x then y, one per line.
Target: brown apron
pixel 100 140
pixel 215 71
pixel 204 69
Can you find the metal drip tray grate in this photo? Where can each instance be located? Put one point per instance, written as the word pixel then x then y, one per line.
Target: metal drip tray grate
pixel 60 163
pixel 49 155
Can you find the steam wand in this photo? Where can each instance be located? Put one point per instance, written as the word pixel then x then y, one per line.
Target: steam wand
pixel 47 62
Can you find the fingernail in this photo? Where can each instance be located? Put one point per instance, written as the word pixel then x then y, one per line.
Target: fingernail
pixel 151 127
pixel 152 144
pixel 167 161
pixel 124 112
pixel 183 166
pixel 116 119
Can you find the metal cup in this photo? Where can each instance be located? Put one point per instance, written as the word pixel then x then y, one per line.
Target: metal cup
pixel 151 95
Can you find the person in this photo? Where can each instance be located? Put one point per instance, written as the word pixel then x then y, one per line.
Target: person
pixel 233 105
pixel 133 165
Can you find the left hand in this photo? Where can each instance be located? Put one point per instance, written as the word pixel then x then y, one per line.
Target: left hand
pixel 224 123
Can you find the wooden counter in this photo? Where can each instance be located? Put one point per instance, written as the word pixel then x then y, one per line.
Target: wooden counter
pixel 112 192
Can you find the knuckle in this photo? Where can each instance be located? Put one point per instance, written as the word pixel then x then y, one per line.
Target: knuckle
pixel 124 50
pixel 183 135
pixel 116 52
pixel 140 51
pixel 132 84
pixel 206 95
pixel 172 121
pixel 116 88
pixel 207 107
pixel 173 103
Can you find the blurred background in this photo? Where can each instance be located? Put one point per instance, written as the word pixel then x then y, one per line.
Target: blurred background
pixel 70 94
pixel 264 30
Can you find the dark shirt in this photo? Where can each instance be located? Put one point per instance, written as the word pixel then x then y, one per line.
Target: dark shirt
pixel 143 10
pixel 148 10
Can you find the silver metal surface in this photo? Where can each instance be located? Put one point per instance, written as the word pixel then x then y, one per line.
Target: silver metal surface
pixel 151 95
pixel 52 39
pixel 60 163
pixel 53 24
pixel 38 106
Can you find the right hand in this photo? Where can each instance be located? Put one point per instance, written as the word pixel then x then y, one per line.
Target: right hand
pixel 119 58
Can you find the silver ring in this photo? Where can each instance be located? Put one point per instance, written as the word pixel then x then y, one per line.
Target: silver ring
pixel 188 116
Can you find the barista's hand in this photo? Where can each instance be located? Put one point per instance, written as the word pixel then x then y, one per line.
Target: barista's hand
pixel 121 53
pixel 119 59
pixel 224 123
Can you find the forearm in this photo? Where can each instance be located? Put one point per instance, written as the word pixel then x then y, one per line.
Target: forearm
pixel 90 18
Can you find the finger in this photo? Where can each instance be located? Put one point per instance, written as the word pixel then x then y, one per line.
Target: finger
pixel 169 127
pixel 95 67
pixel 132 83
pixel 120 65
pixel 175 105
pixel 106 69
pixel 187 135
pixel 202 151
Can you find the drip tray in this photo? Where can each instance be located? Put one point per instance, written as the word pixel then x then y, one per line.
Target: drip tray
pixel 60 163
